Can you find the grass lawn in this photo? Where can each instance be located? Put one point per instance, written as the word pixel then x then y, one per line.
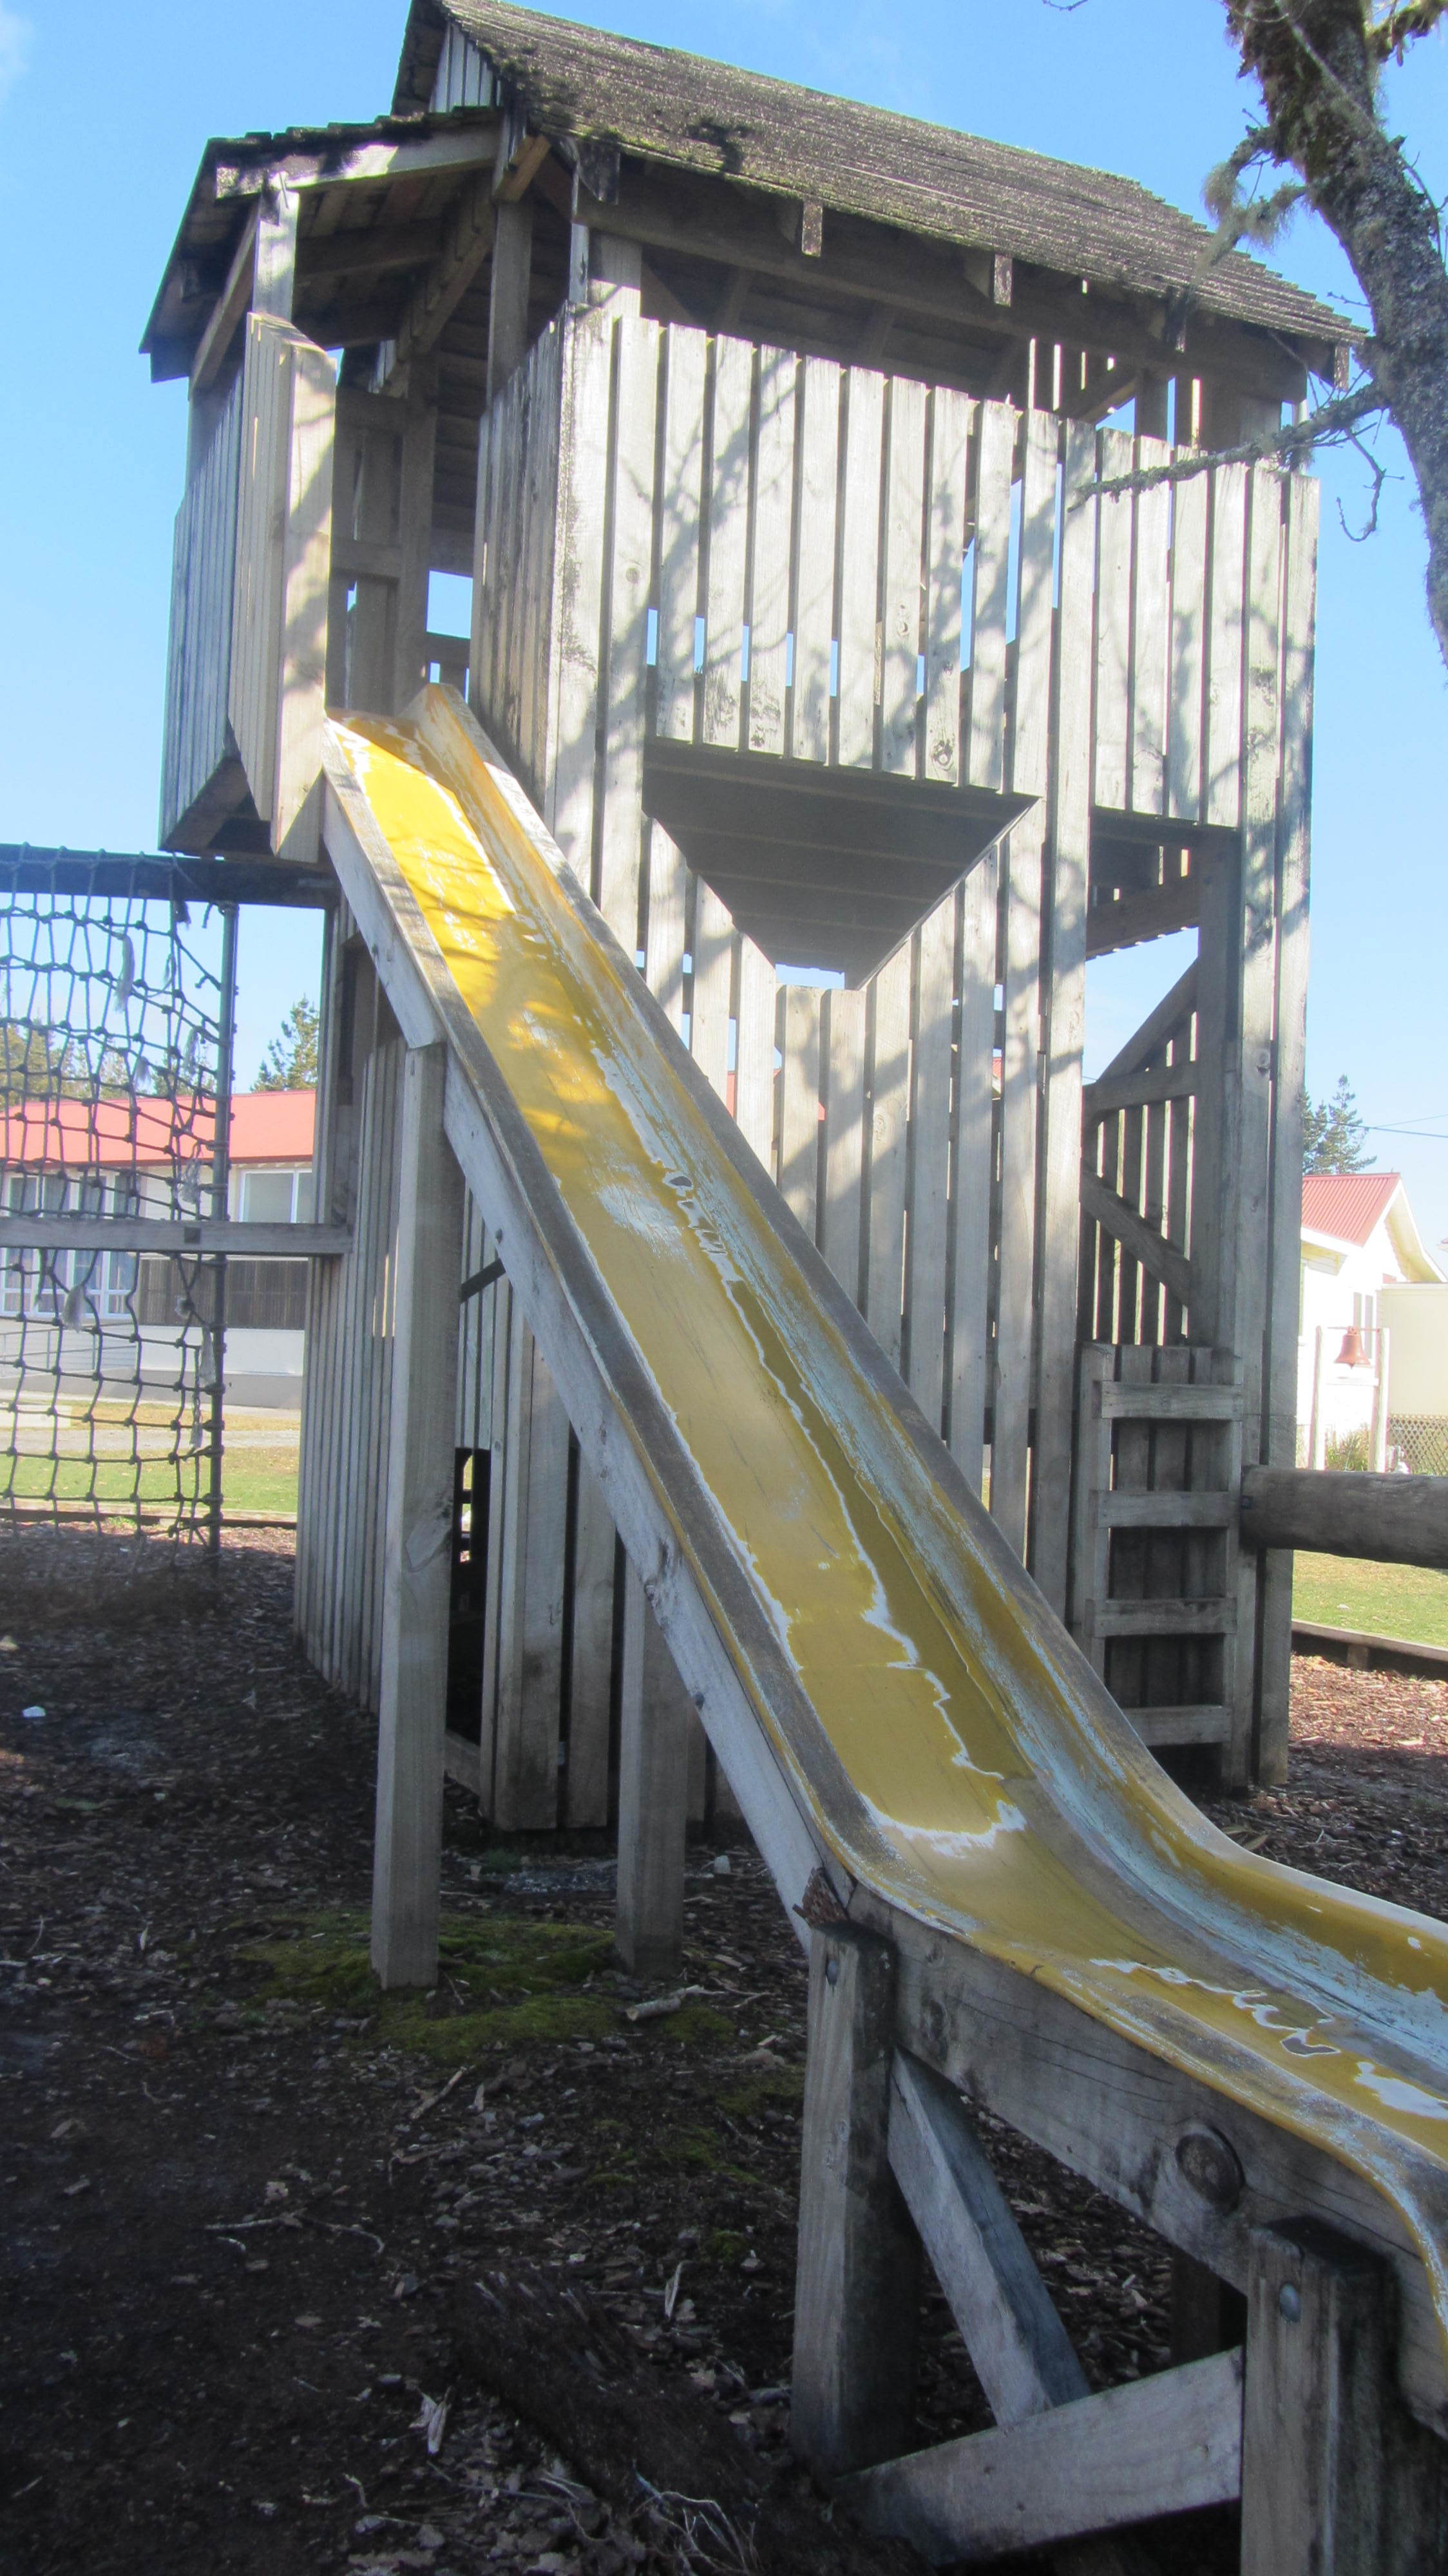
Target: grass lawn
pixel 1388 1600
pixel 262 1479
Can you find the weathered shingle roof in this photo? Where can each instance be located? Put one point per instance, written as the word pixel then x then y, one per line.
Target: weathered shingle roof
pixel 705 116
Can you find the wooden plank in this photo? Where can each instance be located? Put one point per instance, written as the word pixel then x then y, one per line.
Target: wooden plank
pixel 530 1608
pixel 995 456
pixel 858 676
pixel 1171 1012
pixel 1222 746
pixel 653 1793
pixel 799 1103
pixel 928 1236
pixel 667 892
pixel 814 600
pixel 1163 2445
pixel 1147 1618
pixel 858 2260
pixel 902 590
pixel 274 273
pixel 585 1779
pixel 510 287
pixel 577 620
pixel 680 505
pixel 1031 713
pixel 1015 1342
pixel 1106 1207
pixel 713 955
pixel 305 569
pixel 419 440
pixel 1293 853
pixel 1149 624
pixel 1018 2347
pixel 1066 879
pixel 754 1070
pixel 172 1234
pixel 1204 1403
pixel 974 1178
pixel 769 587
pixel 1132 1090
pixel 630 577
pixel 1091 1532
pixel 1156 1510
pixel 1315 2471
pixel 889 1098
pixel 1188 647
pixel 467 240
pixel 1113 626
pixel 227 312
pixel 1192 1722
pixel 952 417
pixel 412 1716
pixel 842 1075
pixel 731 397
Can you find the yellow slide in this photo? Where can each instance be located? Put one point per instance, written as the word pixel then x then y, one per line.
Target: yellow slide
pixel 950 1746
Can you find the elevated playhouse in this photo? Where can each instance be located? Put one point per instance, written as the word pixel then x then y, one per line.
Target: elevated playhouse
pixel 808 1399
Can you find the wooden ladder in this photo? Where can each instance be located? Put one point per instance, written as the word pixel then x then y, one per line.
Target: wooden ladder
pixel 1162 1592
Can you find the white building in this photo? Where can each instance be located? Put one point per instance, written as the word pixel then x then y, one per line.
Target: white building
pixel 1365 1268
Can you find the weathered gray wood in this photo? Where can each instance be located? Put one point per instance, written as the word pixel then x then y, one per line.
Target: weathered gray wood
pixel 754 1079
pixel 170 1234
pixel 902 585
pixel 1150 568
pixel 770 551
pixel 1397 1520
pixel 986 733
pixel 274 274
pixel 530 1607
pixel 508 300
pixel 1188 659
pixel 857 2270
pixel 842 1050
pixel 1170 2444
pixel 630 571
pixel 585 1781
pixel 814 609
pixel 930 1119
pixel 728 542
pixel 974 1171
pixel 1113 626
pixel 860 562
pixel 1015 1343
pixel 951 419
pixel 1316 2498
pixel 680 516
pixel 1020 2350
pixel 889 1079
pixel 1106 1207
pixel 575 640
pixel 799 1102
pixel 653 1794
pixel 407 1859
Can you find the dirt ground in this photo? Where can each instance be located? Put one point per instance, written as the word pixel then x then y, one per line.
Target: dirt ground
pixel 241 2199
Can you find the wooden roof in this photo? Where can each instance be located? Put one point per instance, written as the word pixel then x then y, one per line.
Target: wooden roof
pixel 703 116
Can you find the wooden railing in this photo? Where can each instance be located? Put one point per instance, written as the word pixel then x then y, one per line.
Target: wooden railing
pixel 198 765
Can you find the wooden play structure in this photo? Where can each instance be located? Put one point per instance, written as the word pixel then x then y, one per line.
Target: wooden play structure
pixel 757 1354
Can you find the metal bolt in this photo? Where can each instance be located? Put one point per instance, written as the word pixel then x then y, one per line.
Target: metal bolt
pixel 1289 2300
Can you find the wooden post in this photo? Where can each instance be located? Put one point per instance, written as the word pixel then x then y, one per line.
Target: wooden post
pixel 413 1696
pixel 508 303
pixel 856 2285
pixel 1319 2428
pixel 653 1794
pixel 276 252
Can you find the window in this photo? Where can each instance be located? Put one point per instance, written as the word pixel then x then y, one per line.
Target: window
pixel 276 1198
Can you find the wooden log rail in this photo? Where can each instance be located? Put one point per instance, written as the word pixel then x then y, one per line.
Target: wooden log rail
pixel 1395 1520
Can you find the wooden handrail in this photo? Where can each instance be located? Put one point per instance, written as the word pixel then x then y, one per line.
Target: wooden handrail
pixel 1396 1520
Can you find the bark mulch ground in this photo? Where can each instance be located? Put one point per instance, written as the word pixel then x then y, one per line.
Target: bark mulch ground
pixel 248 2206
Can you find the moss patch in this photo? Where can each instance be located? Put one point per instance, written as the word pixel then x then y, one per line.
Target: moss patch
pixel 503 1981
pixel 783 2085
pixel 695 2026
pixel 724 2245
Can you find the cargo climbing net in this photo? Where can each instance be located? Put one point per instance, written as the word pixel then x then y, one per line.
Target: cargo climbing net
pixel 116 1011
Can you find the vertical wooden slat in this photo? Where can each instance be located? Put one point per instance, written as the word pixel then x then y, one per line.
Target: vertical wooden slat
pixel 667 889
pixel 1064 993
pixel 799 1104
pixel 1188 647
pixel 814 606
pixel 585 1800
pixel 530 1609
pixel 630 575
pixel 1149 636
pixel 902 586
pixel 843 1076
pixel 1222 751
pixel 653 1792
pixel 995 452
pixel 858 685
pixel 1031 712
pixel 889 1079
pixel 974 1170
pixel 1113 625
pixel 578 594
pixel 680 511
pixel 1293 848
pixel 729 411
pixel 769 569
pixel 1022 854
pixel 754 1075
pixel 930 1120
pixel 713 955
pixel 951 415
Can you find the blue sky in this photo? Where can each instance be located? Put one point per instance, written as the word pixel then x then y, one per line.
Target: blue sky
pixel 103 111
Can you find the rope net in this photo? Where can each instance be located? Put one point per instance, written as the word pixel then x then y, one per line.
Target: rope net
pixel 114 1043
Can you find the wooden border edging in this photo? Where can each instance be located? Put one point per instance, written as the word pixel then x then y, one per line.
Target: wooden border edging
pixel 1364 1648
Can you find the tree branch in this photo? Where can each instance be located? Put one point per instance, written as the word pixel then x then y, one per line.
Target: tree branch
pixel 1289 446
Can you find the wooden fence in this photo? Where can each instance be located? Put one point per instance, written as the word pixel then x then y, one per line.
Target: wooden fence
pixel 195 748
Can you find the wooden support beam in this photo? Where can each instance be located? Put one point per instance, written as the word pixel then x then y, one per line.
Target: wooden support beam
pixel 1134 1090
pixel 467 240
pixel 508 305
pixel 1165 2445
pixel 453 145
pixel 1158 1258
pixel 1020 2350
pixel 171 1234
pixel 1335 2480
pixel 274 281
pixel 856 2282
pixel 356 253
pixel 233 301
pixel 407 1857
pixel 1395 1520
pixel 653 1794
pixel 1137 917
